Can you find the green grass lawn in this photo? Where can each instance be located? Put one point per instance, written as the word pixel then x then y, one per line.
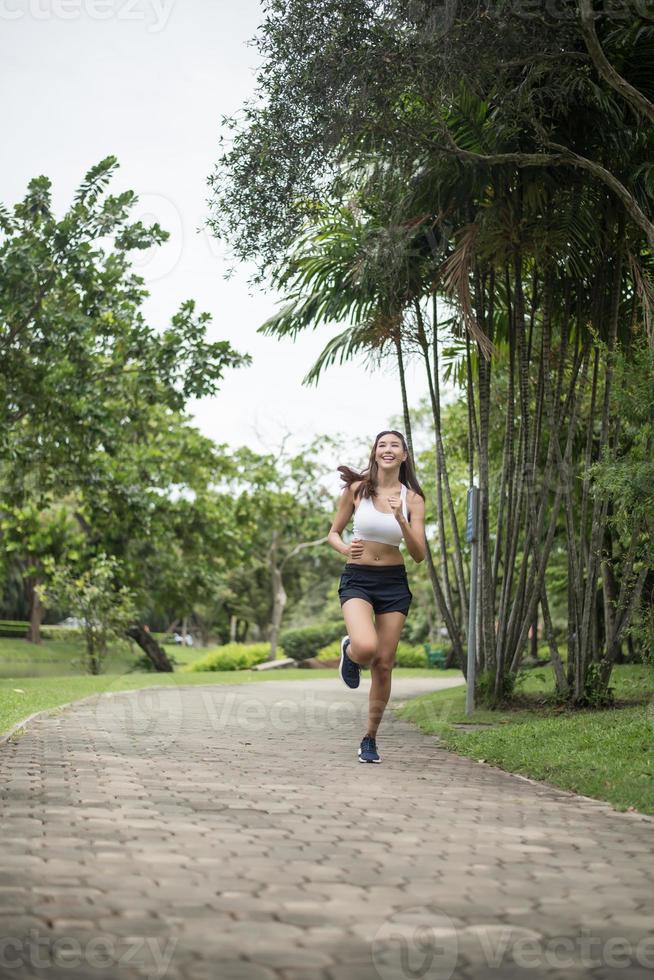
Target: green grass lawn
pixel 65 657
pixel 57 658
pixel 606 754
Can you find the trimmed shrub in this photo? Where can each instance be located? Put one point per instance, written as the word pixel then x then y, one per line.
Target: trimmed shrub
pixel 331 652
pixel 18 628
pixel 13 627
pixel 410 656
pixel 54 632
pixel 300 644
pixel 232 656
pixel 407 655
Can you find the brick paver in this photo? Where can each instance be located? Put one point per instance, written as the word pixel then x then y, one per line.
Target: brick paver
pixel 229 833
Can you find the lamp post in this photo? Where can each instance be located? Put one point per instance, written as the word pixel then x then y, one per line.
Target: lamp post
pixel 471 538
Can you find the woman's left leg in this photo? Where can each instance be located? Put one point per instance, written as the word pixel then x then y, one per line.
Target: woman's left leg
pixel 389 626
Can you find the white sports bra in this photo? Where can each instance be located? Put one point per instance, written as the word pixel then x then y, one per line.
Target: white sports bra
pixel 371 524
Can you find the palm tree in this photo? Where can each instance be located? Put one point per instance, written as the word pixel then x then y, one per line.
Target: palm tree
pixel 350 266
pixel 512 183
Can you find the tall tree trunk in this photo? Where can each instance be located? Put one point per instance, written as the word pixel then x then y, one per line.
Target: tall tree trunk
pixel 442 481
pixel 440 513
pixel 150 647
pixel 609 586
pixel 444 607
pixel 277 585
pixel 600 502
pixel 36 613
pixel 92 653
pixel 203 630
pixel 534 590
pixel 534 637
pixel 487 652
pixel 442 472
pixel 559 674
pixel 405 400
pixel 512 523
pixel 278 596
pixel 279 604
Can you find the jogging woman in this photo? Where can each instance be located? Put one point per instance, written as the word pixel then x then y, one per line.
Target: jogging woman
pixel 389 508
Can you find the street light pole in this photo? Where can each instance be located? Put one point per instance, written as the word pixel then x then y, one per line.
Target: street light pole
pixel 471 538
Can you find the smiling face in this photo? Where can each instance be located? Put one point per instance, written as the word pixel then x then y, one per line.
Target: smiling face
pixel 389 452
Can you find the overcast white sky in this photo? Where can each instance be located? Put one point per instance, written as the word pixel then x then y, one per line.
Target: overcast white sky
pixel 148 81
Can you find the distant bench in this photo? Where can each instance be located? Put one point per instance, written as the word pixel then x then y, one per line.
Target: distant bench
pixel 436 656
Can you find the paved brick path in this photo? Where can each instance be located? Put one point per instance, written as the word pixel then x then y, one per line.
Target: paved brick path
pixel 218 833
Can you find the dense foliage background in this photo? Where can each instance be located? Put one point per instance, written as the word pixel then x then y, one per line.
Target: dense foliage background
pixel 471 185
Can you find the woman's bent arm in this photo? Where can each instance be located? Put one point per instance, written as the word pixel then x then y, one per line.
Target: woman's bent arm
pixel 343 514
pixel 414 533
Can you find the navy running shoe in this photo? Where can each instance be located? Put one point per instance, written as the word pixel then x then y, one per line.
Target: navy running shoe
pixel 368 750
pixel 349 670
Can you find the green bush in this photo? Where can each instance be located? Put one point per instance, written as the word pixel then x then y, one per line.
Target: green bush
pixel 410 656
pixel 232 656
pixel 12 627
pixel 330 652
pixel 300 644
pixel 53 632
pixel 416 628
pixel 485 687
pixel 407 654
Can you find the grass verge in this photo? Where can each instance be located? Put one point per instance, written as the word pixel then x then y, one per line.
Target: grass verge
pixel 603 753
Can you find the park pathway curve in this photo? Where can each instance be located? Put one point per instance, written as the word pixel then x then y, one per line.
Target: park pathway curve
pixel 229 833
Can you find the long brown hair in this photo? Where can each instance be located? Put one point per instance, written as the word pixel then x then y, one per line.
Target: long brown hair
pixel 368 478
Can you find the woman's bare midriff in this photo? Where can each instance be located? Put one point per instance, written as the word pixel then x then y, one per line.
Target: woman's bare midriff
pixel 376 553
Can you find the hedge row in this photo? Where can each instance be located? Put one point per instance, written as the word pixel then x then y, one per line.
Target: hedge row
pixel 19 628
pixel 300 644
pixel 411 656
pixel 232 656
pixel 407 654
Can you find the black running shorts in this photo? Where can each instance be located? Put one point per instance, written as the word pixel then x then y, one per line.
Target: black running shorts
pixel 385 587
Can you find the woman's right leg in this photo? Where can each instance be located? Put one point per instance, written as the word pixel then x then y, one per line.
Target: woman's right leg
pixel 357 614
